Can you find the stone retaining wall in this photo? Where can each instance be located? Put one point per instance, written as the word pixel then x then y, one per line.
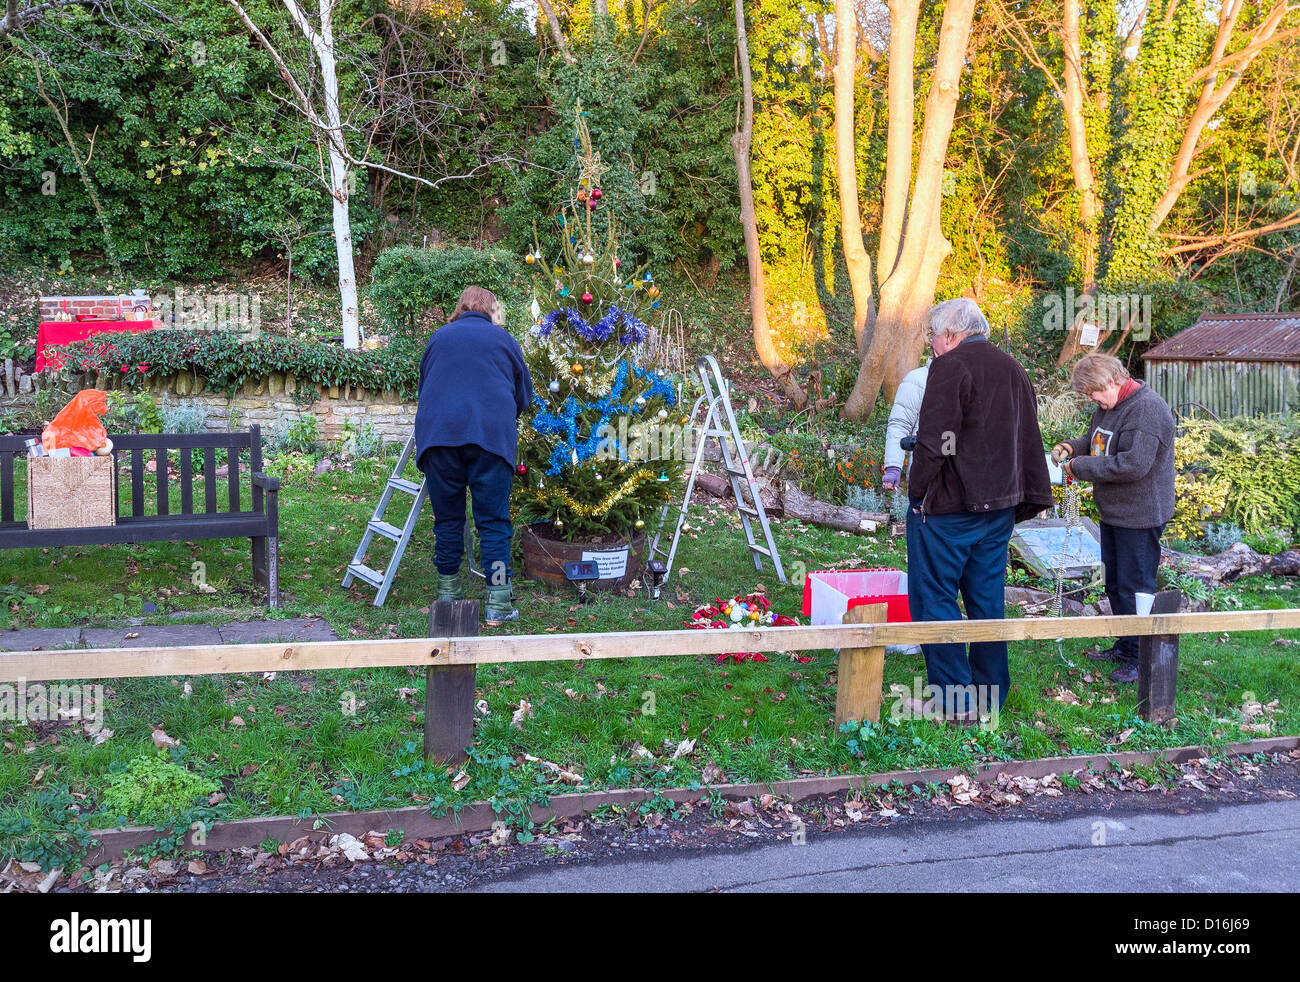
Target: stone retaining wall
pixel 267 400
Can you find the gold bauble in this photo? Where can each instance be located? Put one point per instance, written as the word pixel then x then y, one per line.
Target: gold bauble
pixel 577 369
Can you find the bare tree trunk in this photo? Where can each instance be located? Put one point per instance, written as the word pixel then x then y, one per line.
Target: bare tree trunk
pixel 1072 97
pixel 322 44
pixel 846 172
pixel 898 153
pixel 1080 161
pixel 556 34
pixel 741 142
pixel 908 292
pixel 110 250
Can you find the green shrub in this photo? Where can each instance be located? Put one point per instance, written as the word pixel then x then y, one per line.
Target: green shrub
pixel 865 499
pixel 1255 463
pixel 299 434
pixel 185 416
pixel 415 290
pixel 1220 536
pixel 151 789
pixel 226 360
pixel 1269 541
pixel 360 441
pixel 130 412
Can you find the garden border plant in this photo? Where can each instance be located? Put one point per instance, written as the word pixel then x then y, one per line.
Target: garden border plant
pixel 227 360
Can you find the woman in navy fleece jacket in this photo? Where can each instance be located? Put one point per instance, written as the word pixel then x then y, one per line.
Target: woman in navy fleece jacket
pixel 474 385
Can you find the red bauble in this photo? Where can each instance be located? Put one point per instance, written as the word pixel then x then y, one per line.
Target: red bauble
pixel 587 298
pixel 596 193
pixel 521 470
pixel 591 204
pixel 617 263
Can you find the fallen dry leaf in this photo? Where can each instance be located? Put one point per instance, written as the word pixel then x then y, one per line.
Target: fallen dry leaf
pixel 525 711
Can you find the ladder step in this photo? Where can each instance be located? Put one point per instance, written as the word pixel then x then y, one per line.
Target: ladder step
pixel 762 550
pixel 386 530
pixel 400 484
pixel 747 510
pixel 363 572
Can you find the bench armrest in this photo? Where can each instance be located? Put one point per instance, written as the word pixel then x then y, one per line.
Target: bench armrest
pixel 271 504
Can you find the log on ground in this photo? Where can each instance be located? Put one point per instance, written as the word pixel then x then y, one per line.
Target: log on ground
pixel 842 517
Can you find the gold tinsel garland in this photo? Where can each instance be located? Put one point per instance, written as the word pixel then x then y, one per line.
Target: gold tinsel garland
pixel 634 480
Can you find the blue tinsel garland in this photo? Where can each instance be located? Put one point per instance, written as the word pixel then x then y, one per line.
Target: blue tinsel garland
pixel 565 423
pixel 635 330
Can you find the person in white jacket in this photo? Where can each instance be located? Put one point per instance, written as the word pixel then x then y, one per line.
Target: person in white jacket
pixel 903 421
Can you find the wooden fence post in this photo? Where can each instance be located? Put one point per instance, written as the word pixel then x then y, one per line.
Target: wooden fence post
pixel 1158 664
pixel 449 689
pixel 861 673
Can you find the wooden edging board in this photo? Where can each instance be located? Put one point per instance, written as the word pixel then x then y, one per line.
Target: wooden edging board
pixel 34 666
pixel 417 823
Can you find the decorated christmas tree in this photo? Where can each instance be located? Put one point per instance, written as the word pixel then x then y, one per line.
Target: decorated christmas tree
pixel 601 449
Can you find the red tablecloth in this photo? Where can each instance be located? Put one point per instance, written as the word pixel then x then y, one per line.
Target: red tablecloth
pixel 55 333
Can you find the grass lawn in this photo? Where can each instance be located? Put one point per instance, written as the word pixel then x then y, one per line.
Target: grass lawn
pixel 298 752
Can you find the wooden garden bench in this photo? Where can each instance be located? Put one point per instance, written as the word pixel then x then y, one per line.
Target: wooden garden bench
pixel 261 522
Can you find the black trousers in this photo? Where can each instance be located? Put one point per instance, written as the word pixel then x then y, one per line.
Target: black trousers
pixel 1131 558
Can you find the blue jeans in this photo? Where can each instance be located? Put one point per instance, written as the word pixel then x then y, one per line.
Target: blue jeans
pixel 448 473
pixel 964 552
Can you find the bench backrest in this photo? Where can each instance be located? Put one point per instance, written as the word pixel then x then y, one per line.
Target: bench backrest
pixel 133 447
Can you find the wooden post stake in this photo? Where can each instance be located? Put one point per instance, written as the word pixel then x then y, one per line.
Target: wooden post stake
pixel 449 689
pixel 862 672
pixel 1158 664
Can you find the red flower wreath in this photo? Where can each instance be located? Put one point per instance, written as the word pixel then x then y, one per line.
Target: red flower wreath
pixel 754 610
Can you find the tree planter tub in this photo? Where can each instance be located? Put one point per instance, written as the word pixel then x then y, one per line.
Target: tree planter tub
pixel 545 556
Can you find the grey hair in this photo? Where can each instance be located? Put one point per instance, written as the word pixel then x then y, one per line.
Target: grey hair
pixel 959 316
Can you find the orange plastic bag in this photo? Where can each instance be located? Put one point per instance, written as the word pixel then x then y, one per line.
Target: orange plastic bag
pixel 77 424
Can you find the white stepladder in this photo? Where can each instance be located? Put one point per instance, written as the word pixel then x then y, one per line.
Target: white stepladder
pixel 382 581
pixel 719 423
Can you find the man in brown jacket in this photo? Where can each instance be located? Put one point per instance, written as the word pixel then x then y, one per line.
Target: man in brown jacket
pixel 978 468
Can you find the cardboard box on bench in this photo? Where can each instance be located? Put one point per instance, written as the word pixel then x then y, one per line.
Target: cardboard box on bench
pixel 71 492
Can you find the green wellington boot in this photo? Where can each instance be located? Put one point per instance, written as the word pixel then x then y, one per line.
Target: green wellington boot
pixel 450 587
pixel 499 606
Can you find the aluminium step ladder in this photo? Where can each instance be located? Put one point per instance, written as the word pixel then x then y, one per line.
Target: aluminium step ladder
pixel 383 581
pixel 719 423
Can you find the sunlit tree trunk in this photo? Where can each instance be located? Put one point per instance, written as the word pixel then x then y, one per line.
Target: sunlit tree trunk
pixel 741 143
pixel 855 250
pixel 907 292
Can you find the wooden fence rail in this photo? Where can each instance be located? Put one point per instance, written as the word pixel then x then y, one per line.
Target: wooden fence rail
pixel 861 640
pixel 90 663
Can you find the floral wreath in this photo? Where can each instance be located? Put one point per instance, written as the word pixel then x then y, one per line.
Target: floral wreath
pixel 738 613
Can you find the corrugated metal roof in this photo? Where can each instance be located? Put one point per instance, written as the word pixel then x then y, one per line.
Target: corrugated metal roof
pixel 1234 337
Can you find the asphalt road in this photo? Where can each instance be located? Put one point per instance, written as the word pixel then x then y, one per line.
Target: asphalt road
pixel 1247 847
